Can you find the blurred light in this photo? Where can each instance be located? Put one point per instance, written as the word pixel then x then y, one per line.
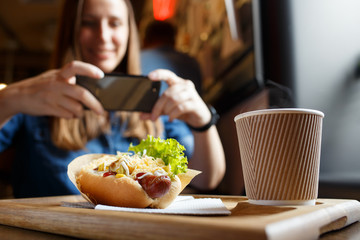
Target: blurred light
pixel 204 36
pixel 2 86
pixel 163 9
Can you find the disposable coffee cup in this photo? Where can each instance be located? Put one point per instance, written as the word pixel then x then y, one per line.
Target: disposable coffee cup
pixel 280 155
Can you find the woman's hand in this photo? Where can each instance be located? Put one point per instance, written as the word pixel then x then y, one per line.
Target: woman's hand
pixel 180 100
pixel 52 93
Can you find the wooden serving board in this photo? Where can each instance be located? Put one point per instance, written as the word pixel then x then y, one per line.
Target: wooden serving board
pixel 247 221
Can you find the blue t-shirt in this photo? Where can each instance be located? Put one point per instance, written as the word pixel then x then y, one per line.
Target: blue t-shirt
pixel 40 168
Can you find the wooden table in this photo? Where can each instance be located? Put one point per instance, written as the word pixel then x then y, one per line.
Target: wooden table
pixel 45 218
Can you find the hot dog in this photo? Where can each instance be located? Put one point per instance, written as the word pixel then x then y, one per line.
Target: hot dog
pixel 132 180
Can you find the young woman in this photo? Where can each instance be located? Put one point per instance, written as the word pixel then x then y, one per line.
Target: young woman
pixel 97 36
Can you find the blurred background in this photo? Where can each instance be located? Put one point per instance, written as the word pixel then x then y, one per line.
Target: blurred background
pixel 253 54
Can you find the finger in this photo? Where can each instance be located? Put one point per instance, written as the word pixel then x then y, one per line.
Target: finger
pixel 58 103
pixel 54 110
pixel 175 112
pixel 178 95
pixel 85 97
pixel 172 104
pixel 184 89
pixel 145 116
pixel 172 97
pixel 166 106
pixel 72 106
pixel 158 108
pixel 165 75
pixel 80 68
pixel 61 112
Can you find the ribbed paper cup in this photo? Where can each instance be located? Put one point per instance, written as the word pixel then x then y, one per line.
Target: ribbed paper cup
pixel 280 155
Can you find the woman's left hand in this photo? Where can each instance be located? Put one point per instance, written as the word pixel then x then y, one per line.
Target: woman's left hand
pixel 179 101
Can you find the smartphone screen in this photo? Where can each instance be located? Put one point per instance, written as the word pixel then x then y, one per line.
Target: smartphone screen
pixel 118 92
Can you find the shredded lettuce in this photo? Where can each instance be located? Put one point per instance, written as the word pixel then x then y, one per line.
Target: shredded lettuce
pixel 169 150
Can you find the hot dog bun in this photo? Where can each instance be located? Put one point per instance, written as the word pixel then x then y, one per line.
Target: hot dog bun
pixel 124 191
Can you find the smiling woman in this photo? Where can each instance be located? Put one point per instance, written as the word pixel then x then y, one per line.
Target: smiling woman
pixel 44 118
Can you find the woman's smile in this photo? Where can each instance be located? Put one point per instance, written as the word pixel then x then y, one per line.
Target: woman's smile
pixel 103 54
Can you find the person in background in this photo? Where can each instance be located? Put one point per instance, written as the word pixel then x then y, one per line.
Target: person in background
pixel 159 52
pixel 44 119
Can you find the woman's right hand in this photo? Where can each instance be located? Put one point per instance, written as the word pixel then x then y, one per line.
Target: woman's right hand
pixel 52 93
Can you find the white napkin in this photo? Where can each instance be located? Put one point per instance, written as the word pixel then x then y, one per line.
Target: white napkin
pixel 183 205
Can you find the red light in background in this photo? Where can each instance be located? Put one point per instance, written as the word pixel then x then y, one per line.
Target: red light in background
pixel 163 9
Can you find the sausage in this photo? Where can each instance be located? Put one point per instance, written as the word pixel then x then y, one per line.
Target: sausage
pixel 154 186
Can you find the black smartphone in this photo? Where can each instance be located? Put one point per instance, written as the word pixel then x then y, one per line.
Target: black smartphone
pixel 117 92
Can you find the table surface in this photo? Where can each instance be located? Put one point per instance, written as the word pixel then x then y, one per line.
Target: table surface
pixel 44 218
pixel 351 232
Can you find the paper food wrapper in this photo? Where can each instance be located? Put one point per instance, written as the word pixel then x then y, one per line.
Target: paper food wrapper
pixel 182 205
pixel 74 168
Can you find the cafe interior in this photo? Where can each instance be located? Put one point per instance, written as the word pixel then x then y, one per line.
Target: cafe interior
pixel 253 55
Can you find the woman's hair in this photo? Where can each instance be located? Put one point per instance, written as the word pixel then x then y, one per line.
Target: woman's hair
pixel 73 134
